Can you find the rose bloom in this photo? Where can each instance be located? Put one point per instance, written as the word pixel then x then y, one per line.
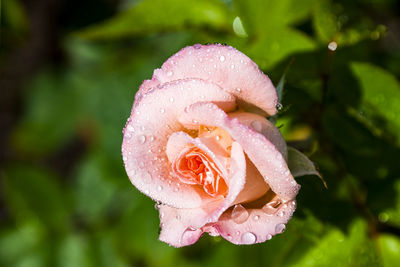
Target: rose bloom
pixel 198 142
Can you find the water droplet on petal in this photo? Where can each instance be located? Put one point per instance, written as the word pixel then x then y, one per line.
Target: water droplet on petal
pixel 218 137
pixel 269 237
pixel 232 66
pixel 169 73
pixel 279 106
pixel 281 213
pixel 222 58
pixel 256 218
pixel 142 139
pixel 146 177
pixel 238 90
pixel 197 46
pixel 256 125
pixel 162 110
pixel 239 214
pixel 248 238
pixel 190 235
pixel 279 228
pixel 272 206
pixel 159 188
pixel 171 99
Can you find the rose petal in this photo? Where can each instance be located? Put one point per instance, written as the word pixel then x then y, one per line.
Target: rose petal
pixel 179 140
pixel 181 227
pixel 265 156
pixel 264 127
pixel 224 66
pixel 254 187
pixel 259 226
pixel 152 120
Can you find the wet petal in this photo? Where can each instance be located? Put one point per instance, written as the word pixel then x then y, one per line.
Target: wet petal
pixel 264 127
pixel 146 133
pixel 265 156
pixel 259 226
pixel 176 222
pixel 224 66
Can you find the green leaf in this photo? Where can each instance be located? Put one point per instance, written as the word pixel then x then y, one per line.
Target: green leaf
pixel 389 247
pixel 275 45
pixel 267 23
pixel 32 192
pixel 18 244
pixel 74 250
pixel 380 94
pixel 300 165
pixel 338 249
pixel 94 189
pixel 260 15
pixel 324 21
pixel 150 16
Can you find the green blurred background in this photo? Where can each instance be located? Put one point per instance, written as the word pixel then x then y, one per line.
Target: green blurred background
pixel 69 72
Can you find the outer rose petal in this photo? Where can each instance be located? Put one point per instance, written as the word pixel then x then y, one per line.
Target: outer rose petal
pixel 259 226
pixel 152 120
pixel 224 66
pixel 181 227
pixel 268 160
pixel 264 127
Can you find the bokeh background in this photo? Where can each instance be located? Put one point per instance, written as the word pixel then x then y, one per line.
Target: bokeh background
pixel 69 72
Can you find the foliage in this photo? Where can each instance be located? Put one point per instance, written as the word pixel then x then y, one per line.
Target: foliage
pixel 68 202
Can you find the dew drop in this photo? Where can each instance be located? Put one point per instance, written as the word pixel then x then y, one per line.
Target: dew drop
pixel 197 46
pixel 162 110
pixel 146 177
pixel 279 106
pixel 151 139
pixel 124 158
pixel 142 139
pixel 232 66
pixel 195 121
pixel 189 235
pixel 239 214
pixel 161 215
pixel 332 46
pixel 159 188
pixel 279 228
pixel 248 238
pixel 130 128
pixel 238 90
pixel 128 136
pixel 281 213
pixel 256 125
pixel 272 206
pixel 171 99
pixel 269 237
pixel 222 58
pixel 218 137
pixel 256 218
pixel 169 73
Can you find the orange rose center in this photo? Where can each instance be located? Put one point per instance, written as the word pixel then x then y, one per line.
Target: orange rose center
pixel 196 167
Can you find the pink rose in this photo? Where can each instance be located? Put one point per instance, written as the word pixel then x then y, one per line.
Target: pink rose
pixel 192 144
